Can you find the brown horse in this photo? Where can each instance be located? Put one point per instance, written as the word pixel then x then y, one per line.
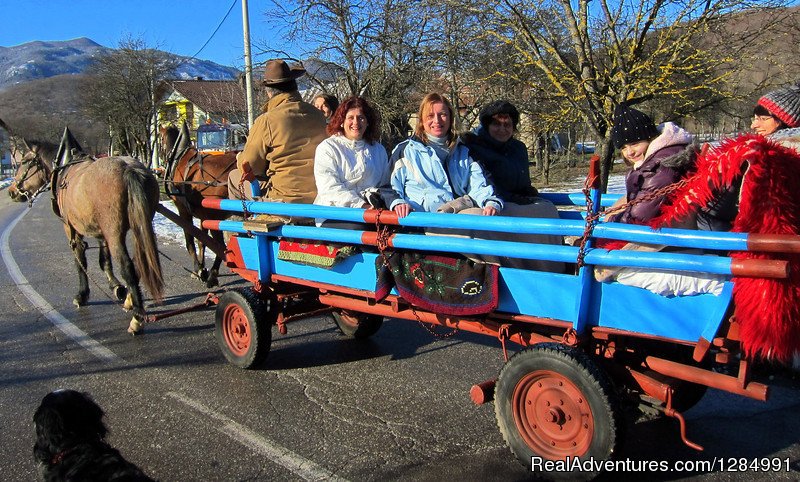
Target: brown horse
pixel 191 177
pixel 20 146
pixel 102 198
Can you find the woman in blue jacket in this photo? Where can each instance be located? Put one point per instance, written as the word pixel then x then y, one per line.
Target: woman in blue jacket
pixel 432 170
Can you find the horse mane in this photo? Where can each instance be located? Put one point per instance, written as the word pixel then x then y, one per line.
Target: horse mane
pixel 47 149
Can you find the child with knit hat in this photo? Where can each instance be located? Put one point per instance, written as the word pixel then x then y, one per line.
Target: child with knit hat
pixel 658 156
pixel 776 110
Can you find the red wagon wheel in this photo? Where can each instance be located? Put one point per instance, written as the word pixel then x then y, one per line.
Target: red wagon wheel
pixel 244 327
pixel 236 329
pixel 552 415
pixel 553 402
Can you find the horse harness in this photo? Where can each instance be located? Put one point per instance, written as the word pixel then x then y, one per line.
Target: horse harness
pixel 58 180
pixel 196 160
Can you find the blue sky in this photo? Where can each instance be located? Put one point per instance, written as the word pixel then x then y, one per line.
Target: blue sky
pixel 177 26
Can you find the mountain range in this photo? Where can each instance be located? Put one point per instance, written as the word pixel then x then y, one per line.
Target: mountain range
pixel 41 87
pixel 40 60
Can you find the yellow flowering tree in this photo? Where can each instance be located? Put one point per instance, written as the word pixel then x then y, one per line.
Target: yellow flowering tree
pixel 590 55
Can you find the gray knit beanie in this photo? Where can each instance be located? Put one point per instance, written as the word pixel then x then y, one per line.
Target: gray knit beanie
pixel 784 104
pixel 631 125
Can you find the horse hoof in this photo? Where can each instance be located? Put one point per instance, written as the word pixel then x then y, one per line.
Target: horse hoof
pixel 120 292
pixel 78 302
pixel 203 274
pixel 135 327
pixel 128 305
pixel 212 282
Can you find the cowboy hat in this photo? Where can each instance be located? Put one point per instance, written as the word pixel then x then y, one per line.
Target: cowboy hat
pixel 278 71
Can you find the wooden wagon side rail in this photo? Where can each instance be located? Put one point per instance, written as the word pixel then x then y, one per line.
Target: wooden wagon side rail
pixel 680 238
pixel 601 257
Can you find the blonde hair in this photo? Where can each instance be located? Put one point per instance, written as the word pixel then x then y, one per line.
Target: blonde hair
pixel 424 107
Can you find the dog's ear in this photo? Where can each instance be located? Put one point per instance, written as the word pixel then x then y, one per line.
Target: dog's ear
pixel 50 432
pixel 83 417
pixel 92 416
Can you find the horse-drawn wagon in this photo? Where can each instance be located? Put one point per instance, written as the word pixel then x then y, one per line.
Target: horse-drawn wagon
pixel 592 351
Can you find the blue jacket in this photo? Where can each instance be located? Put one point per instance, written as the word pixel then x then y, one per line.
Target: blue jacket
pixel 420 179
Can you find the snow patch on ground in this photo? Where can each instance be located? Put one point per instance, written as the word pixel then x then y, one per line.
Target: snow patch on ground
pixel 616 185
pixel 166 230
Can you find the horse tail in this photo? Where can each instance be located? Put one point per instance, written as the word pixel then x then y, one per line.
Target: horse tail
pixel 142 201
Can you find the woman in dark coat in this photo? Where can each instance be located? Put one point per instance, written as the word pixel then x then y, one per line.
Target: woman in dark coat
pixel 505 161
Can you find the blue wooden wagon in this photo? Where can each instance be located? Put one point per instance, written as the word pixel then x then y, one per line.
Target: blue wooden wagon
pixel 590 348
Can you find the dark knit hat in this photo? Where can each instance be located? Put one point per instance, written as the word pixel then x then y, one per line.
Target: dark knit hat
pixel 631 125
pixel 499 107
pixel 784 104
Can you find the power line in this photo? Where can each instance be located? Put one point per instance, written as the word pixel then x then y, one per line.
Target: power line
pixel 215 30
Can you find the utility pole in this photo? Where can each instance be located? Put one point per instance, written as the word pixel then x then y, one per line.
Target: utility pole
pixel 248 64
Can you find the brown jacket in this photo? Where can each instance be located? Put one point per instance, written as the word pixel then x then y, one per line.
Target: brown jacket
pixel 281 146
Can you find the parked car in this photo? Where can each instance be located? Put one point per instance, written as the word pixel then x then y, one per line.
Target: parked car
pixel 585 147
pixel 216 138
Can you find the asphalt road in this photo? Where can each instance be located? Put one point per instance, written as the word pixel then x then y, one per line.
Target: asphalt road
pixel 324 407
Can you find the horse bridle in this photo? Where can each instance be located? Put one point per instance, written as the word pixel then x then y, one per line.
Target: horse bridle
pixel 31 164
pixel 172 164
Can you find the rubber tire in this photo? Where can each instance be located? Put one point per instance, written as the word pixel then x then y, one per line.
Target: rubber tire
pixel 565 377
pixel 243 327
pixel 357 325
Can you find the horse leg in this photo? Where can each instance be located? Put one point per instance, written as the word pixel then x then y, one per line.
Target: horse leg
pixel 201 256
pixel 79 250
pixel 105 263
pixel 198 263
pixel 191 247
pixel 214 273
pixel 134 299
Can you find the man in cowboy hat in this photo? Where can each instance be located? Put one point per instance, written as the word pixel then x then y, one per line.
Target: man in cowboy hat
pixel 282 142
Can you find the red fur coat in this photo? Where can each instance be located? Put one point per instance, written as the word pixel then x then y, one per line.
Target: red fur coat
pixel 768 309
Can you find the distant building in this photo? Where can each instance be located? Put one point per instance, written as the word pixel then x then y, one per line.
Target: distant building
pixel 5 153
pixel 202 101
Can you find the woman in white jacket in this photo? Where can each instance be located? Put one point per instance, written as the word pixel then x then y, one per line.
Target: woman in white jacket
pixel 351 164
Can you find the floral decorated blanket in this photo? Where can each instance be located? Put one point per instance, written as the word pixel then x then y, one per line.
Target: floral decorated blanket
pixel 313 254
pixel 440 283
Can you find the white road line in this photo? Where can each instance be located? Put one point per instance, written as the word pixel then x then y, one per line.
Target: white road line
pixel 298 465
pixel 70 330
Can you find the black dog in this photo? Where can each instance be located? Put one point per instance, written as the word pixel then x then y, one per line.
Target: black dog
pixel 70 441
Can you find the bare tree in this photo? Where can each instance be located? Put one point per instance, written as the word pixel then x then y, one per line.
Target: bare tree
pixel 122 93
pixel 591 56
pixel 379 46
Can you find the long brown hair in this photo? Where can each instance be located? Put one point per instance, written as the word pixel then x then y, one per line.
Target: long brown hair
pixel 424 107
